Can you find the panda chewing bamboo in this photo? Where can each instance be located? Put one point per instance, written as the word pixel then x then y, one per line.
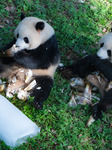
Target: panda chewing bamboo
pixel 102 62
pixel 32 62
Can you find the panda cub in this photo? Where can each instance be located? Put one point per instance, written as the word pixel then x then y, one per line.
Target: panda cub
pixel 101 62
pixel 32 62
pixel 105 47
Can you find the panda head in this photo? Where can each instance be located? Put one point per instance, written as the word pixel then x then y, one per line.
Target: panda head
pixel 31 32
pixel 105 47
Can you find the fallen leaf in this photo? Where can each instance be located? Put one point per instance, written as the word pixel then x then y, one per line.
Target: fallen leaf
pixel 79 135
pixel 103 141
pixel 7 8
pixel 10 8
pixel 93 7
pixel 7 21
pixel 99 34
pixel 84 52
pixel 85 139
pixel 72 102
pixel 1 26
pixel 100 129
pixel 49 110
pixel 70 147
pixel 53 131
pixel 104 30
pixel 90 121
pixel 81 1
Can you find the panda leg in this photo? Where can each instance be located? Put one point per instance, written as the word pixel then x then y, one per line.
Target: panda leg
pixel 87 65
pixel 104 66
pixel 6 65
pixel 42 90
pixel 103 105
pixel 81 68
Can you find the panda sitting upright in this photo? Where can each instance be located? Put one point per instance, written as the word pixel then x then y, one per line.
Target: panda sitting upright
pixel 35 50
pixel 102 62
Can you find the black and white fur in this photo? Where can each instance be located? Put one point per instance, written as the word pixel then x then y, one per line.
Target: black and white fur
pixel 36 49
pixel 101 62
pixel 105 47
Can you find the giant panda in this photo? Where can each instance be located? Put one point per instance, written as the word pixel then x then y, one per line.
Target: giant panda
pixel 101 62
pixel 105 47
pixel 34 49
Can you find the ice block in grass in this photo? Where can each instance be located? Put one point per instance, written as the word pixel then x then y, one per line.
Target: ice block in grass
pixel 15 127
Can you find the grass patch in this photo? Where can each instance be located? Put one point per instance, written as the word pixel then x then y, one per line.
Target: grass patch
pixel 78 28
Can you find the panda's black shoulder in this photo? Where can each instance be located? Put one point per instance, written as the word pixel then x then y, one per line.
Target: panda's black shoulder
pixel 41 57
pixel 47 52
pixel 50 43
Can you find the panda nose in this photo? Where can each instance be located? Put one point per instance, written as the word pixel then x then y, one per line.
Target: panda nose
pixel 17 46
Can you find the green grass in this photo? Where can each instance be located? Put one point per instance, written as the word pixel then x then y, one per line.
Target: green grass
pixel 78 28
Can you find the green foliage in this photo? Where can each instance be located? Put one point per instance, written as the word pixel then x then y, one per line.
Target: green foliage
pixel 78 28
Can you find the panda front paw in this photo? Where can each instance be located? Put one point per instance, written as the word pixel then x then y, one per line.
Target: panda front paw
pixel 38 105
pixel 67 72
pixel 97 111
pixel 61 68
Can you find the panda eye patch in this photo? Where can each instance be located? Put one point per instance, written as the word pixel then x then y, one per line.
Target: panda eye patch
pixel 109 52
pixel 17 35
pixel 26 40
pixel 101 45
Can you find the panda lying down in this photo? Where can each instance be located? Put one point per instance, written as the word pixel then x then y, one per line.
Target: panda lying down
pixel 101 62
pixel 32 62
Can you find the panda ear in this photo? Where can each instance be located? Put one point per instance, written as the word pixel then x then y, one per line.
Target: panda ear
pixel 22 16
pixel 40 26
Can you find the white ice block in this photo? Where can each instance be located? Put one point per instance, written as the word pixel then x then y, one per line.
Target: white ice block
pixel 15 127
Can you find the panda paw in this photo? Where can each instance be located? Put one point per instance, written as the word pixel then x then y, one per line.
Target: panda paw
pixel 97 111
pixel 61 68
pixel 38 105
pixel 66 71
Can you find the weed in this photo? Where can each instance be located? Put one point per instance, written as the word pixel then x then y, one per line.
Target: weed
pixel 78 28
